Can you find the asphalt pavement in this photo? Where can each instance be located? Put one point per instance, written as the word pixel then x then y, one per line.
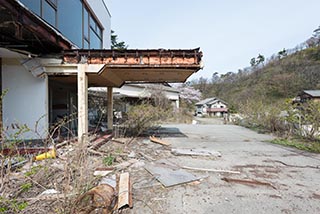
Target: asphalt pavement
pixel 271 179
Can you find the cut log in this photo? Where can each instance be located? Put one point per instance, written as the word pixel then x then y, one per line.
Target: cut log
pixel 158 141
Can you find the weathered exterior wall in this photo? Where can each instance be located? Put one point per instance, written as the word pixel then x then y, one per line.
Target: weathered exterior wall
pixel 99 7
pixel 218 105
pixel 26 101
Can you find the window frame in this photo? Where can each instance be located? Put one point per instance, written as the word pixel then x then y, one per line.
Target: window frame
pixel 53 5
pixel 97 27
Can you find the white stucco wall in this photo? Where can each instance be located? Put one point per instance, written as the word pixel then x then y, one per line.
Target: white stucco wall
pixel 218 105
pixel 100 9
pixel 26 101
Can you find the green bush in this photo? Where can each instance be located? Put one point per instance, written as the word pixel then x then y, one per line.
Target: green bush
pixel 142 117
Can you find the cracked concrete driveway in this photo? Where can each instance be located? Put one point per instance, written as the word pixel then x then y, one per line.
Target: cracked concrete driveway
pixel 293 175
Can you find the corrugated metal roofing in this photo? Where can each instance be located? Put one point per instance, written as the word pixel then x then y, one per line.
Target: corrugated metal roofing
pixel 205 101
pixel 313 93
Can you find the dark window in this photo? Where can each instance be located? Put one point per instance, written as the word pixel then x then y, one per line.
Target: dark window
pixel 85 44
pixel 70 20
pixel 33 5
pixel 95 41
pixel 49 13
pixel 72 17
pixel 95 34
pixel 85 24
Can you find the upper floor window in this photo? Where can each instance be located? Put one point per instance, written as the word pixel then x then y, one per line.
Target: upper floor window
pixel 47 9
pixel 92 31
pixel 72 17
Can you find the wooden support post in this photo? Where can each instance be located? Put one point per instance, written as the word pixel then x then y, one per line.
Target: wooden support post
pixel 110 108
pixel 82 103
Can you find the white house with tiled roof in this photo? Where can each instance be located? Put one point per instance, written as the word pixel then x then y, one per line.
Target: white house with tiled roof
pixel 212 107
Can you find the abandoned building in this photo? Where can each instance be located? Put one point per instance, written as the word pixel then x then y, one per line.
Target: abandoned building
pixel 211 107
pixel 131 94
pixel 50 56
pixel 307 95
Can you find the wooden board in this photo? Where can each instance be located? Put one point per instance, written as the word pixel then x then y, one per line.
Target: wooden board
pixel 195 152
pixel 158 141
pixel 124 197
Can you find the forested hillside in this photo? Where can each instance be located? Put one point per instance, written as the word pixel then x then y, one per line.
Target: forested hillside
pixel 283 76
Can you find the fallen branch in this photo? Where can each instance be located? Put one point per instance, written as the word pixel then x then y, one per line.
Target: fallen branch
pixel 211 170
pixel 64 143
pixel 252 182
pixel 117 141
pixel 296 166
pixel 158 141
pixel 94 152
pixel 147 156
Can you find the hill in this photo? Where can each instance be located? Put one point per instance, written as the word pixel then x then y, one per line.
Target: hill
pixel 282 77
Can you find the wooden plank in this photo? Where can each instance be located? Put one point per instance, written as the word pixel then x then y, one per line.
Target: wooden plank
pixel 124 197
pixel 211 170
pixel 158 141
pixel 195 152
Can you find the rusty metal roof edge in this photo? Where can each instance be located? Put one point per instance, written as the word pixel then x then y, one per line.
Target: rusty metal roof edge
pixel 137 52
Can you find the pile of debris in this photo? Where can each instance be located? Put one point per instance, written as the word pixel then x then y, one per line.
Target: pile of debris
pixel 106 176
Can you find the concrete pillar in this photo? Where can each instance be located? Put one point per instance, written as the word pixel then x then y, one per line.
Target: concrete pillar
pixel 82 103
pixel 110 108
pixel 177 104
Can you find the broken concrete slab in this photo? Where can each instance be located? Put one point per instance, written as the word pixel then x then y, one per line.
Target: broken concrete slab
pixel 196 152
pixel 170 175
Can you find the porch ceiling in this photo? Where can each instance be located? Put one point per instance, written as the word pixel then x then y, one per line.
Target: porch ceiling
pixel 145 66
pixel 23 31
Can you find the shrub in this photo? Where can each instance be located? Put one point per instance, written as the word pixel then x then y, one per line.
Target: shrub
pixel 142 117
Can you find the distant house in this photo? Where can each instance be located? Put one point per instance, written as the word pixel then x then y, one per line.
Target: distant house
pixel 212 107
pixel 307 95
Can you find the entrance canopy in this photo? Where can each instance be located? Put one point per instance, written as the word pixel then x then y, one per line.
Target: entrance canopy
pixel 114 67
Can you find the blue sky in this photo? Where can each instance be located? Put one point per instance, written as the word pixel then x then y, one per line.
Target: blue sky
pixel 229 32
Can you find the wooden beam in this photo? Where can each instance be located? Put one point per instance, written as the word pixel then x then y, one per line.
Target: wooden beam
pixel 111 76
pixel 110 108
pixel 82 103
